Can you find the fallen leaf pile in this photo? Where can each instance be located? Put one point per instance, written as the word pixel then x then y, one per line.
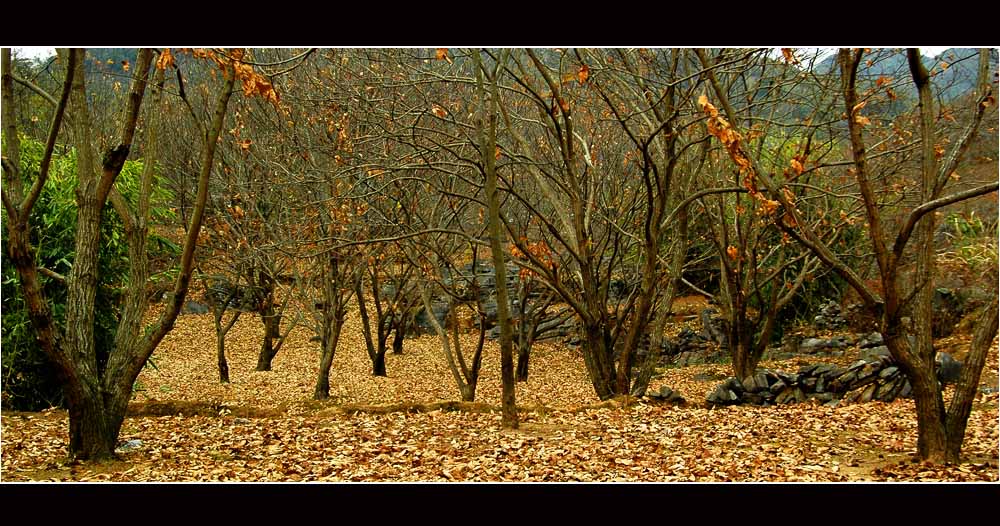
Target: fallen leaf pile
pixel 410 427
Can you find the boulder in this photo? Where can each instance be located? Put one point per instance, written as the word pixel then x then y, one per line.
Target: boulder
pixel 722 396
pixel 194 307
pixel 949 369
pixel 873 339
pixel 872 354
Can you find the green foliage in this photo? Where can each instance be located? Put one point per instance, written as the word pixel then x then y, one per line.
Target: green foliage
pixel 29 383
pixel 974 243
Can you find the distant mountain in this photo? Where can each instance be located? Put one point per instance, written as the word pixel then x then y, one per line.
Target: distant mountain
pixel 952 82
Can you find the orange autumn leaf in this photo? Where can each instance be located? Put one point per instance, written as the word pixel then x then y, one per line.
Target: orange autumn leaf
pixel 166 59
pixel 583 74
pixel 125 65
pixel 789 55
pixel 862 120
pixel 733 253
pixel 882 81
pixel 797 166
pixel 442 54
pixel 498 153
pixel 439 111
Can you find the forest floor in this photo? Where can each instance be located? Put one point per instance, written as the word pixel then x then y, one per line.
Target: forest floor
pixel 186 426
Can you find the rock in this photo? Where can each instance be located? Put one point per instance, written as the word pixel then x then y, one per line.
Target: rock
pixel 785 397
pixel 820 384
pixel 799 395
pixel 809 384
pixel 888 371
pixel 806 370
pixel 130 445
pixel 811 345
pixel 194 307
pixel 843 382
pixel 821 397
pixel 761 380
pixel 778 386
pixel 868 393
pixel 733 384
pixel 871 340
pixel 948 312
pixel 988 390
pixel 722 396
pixel 874 353
pixel 713 327
pixel 440 310
pixel 949 369
pixel 888 391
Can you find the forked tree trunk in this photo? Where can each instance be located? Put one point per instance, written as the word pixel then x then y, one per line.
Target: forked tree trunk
pixel 331 337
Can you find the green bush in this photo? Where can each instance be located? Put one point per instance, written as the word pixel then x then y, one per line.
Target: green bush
pixel 29 383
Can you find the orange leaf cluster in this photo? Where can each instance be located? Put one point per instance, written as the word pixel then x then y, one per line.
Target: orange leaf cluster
pixel 442 54
pixel 540 250
pixel 166 59
pixel 720 128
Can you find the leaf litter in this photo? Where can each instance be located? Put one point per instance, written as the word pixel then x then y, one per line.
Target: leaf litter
pixel 409 426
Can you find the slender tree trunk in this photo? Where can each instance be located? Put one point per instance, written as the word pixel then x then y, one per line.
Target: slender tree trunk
pixel 223 364
pixel 366 328
pixel 331 337
pixel 968 384
pixel 400 332
pixel 488 137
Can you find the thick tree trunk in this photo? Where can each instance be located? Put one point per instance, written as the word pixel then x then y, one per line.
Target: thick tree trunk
pixel 597 358
pixel 745 359
pixel 378 364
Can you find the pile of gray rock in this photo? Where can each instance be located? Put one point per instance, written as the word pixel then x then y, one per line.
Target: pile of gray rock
pixel 689 348
pixel 830 316
pixel 875 378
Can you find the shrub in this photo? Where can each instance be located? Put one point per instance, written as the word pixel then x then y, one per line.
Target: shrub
pixel 29 383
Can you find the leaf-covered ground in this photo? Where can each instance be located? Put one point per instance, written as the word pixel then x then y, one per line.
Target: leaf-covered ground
pixel 264 427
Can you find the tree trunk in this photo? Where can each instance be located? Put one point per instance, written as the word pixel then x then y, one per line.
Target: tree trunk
pixel 378 364
pixel 397 338
pixel 523 352
pixel 596 356
pixel 968 384
pixel 223 365
pixel 268 350
pixel 331 336
pixel 744 358
pixel 366 327
pixel 488 137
